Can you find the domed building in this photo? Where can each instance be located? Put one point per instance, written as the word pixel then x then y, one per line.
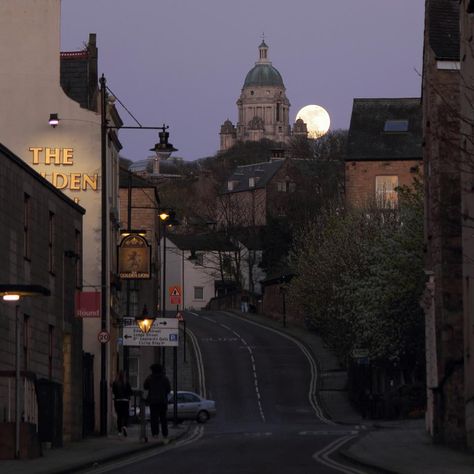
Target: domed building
pixel 263 107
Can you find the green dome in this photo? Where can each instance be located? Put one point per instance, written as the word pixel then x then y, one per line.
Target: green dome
pixel 263 75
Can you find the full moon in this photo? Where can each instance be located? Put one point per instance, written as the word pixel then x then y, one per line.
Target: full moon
pixel 316 119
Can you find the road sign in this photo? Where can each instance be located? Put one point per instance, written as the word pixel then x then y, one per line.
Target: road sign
pixel 103 337
pixel 179 317
pixel 164 332
pixel 175 294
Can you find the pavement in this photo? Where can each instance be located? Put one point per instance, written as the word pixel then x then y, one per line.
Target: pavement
pixel 397 447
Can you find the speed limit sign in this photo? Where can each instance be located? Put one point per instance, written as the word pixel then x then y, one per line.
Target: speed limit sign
pixel 103 337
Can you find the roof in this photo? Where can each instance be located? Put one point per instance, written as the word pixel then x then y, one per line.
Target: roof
pixel 8 154
pixel 263 75
pixel 202 242
pixel 79 74
pixel 137 181
pixel 443 27
pixel 263 172
pixel 370 140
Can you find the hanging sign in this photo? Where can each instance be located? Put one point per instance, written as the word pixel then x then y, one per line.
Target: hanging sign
pixel 134 257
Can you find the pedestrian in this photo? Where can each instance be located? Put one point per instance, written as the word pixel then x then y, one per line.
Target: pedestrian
pixel 122 391
pixel 158 386
pixel 244 303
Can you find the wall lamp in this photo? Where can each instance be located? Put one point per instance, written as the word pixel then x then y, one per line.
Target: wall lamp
pixel 53 120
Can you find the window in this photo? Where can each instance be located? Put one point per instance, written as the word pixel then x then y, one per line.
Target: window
pixel 251 182
pixel 26 226
pixel 78 260
pixel 51 232
pixel 226 264
pixel 26 341
pixel 386 195
pixel 199 259
pixel 470 6
pixel 396 126
pixel 133 372
pixel 50 350
pixel 198 293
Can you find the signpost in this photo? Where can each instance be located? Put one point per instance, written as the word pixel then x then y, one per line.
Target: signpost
pixel 164 332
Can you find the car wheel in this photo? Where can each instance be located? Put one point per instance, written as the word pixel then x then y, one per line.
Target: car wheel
pixel 202 416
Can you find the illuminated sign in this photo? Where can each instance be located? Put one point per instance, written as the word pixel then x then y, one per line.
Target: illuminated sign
pixel 63 157
pixel 134 255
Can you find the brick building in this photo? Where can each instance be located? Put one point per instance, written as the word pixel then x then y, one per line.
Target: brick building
pixel 442 158
pixel 40 244
pixel 384 149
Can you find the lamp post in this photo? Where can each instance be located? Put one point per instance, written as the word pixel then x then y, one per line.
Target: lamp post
pixel 163 149
pixel 168 219
pixel 14 293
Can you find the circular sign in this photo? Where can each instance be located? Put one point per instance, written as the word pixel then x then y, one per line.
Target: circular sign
pixel 103 337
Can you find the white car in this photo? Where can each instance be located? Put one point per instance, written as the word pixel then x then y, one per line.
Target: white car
pixel 190 406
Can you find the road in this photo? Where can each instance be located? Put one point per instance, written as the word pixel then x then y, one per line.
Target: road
pixel 268 417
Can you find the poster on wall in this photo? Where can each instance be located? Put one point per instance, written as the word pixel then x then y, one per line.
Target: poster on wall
pixel 134 258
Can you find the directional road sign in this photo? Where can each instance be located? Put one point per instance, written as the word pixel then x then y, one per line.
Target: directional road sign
pixel 164 332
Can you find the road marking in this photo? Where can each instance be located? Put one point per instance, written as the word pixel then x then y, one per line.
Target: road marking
pixel 199 362
pixel 328 433
pixel 195 436
pixel 314 369
pixel 322 456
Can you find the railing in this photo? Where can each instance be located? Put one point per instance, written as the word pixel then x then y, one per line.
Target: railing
pixel 29 406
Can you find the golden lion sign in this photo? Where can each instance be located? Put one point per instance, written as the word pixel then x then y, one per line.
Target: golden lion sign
pixel 134 256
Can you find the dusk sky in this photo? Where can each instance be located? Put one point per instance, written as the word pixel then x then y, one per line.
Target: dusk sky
pixel 183 62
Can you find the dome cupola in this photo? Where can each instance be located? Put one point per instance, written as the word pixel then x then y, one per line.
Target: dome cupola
pixel 263 73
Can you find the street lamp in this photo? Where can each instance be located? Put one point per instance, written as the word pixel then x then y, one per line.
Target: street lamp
pixel 163 149
pixel 14 293
pixel 144 321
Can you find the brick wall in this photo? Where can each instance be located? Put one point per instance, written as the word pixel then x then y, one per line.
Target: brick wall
pixel 360 177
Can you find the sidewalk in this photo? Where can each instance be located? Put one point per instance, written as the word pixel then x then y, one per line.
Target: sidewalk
pixel 89 452
pixel 396 447
pixel 97 450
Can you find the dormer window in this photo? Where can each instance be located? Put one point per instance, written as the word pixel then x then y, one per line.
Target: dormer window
pixel 395 126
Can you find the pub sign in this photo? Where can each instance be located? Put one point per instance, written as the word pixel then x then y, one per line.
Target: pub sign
pixel 134 258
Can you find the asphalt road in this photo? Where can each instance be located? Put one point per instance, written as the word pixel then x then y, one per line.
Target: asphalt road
pixel 268 418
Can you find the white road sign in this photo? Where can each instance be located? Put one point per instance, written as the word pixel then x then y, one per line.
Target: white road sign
pixel 164 332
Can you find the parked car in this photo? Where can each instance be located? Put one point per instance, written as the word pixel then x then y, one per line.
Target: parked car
pixel 190 406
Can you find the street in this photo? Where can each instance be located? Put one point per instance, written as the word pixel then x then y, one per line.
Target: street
pixel 268 419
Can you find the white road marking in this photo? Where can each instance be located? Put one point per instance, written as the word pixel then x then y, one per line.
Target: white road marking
pixel 313 367
pixel 322 456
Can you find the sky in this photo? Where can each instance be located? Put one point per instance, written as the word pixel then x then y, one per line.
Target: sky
pixel 183 62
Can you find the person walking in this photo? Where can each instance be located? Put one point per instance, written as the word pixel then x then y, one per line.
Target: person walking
pixel 159 387
pixel 121 391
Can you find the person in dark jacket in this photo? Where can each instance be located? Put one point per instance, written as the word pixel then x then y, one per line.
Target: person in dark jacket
pixel 158 386
pixel 122 391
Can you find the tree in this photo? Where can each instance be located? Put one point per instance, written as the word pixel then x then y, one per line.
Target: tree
pixel 360 277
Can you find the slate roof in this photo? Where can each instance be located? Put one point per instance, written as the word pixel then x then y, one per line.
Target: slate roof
pixel 263 171
pixel 443 27
pixel 369 142
pixel 137 181
pixel 202 242
pixel 78 74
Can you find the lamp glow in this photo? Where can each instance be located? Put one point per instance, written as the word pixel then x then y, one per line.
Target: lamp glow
pixel 11 297
pixel 53 120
